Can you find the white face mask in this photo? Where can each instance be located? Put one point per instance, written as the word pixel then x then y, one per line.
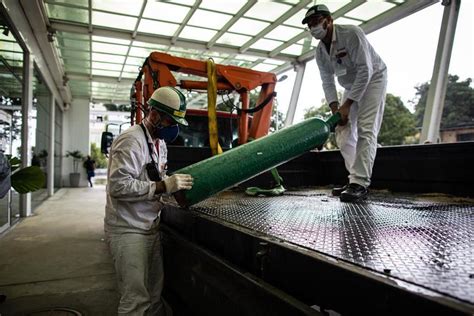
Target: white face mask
pixel 318 32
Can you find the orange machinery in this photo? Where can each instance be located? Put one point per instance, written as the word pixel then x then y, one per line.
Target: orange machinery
pixel 157 72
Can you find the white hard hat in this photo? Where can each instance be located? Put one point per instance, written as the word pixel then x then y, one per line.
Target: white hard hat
pixel 170 101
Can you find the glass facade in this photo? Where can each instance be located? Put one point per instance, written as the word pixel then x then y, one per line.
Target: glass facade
pixel 11 89
pixel 58 142
pixel 40 122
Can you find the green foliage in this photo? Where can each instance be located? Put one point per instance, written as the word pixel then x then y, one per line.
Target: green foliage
pixel 24 180
pixel 14 162
pixel 458 105
pixel 398 123
pixel 98 156
pixel 28 179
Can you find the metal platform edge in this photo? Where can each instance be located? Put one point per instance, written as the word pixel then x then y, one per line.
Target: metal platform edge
pixel 199 283
pixel 309 276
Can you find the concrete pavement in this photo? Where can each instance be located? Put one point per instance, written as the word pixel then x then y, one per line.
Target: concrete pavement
pixel 58 258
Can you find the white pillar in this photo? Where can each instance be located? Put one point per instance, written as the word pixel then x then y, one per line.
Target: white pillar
pixel 50 164
pixel 26 107
pixel 439 79
pixel 290 115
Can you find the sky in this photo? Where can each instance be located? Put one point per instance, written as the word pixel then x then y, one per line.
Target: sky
pixel 408 48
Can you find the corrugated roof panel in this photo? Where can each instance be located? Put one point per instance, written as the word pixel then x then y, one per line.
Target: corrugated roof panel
pixel 266 44
pixel 248 26
pixel 208 19
pixel 66 13
pixel 196 33
pixel 267 10
pixel 113 20
pixel 119 6
pixel 157 27
pixel 157 10
pixel 233 39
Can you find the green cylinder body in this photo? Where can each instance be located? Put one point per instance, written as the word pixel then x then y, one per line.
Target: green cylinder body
pixel 237 165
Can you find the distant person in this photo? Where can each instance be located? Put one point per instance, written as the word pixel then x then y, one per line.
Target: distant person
pixel 89 164
pixel 344 52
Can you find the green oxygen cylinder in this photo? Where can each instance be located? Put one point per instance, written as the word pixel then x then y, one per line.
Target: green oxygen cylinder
pixel 239 164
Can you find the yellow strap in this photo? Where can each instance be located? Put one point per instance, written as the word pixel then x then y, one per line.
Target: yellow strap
pixel 211 107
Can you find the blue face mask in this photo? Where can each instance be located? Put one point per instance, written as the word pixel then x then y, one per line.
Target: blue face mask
pixel 168 133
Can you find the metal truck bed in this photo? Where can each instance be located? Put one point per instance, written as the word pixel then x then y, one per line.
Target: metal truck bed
pixel 421 246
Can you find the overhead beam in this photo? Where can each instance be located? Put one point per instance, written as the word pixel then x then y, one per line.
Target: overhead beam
pixel 392 15
pixel 185 21
pixel 347 8
pixel 38 21
pixel 276 23
pixel 102 79
pixel 395 14
pixel 231 22
pixel 134 34
pixel 158 39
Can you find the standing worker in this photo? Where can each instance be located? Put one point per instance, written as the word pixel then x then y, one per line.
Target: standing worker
pixel 136 179
pixel 344 52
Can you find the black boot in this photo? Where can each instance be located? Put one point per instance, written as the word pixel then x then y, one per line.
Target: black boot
pixel 336 191
pixel 354 192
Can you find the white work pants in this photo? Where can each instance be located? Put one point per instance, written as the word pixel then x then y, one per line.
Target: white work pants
pixel 139 267
pixel 359 146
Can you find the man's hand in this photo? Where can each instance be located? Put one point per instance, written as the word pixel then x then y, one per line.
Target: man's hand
pixel 178 182
pixel 334 106
pixel 344 111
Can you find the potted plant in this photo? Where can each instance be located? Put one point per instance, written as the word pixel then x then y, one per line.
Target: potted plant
pixel 23 180
pixel 75 177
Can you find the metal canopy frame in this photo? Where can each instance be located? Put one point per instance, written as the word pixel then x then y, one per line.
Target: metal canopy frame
pixel 100 54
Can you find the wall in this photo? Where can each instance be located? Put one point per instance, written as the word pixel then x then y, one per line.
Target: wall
pixel 76 137
pixel 451 136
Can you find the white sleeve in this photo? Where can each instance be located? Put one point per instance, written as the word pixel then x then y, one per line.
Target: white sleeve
pixel 327 77
pixel 125 165
pixel 358 47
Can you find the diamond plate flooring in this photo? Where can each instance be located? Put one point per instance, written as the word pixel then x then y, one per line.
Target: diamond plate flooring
pixel 426 241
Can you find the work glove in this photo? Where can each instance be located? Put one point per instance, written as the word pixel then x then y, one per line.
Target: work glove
pixel 178 182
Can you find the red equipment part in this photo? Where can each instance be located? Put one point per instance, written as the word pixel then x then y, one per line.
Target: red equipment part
pixel 156 72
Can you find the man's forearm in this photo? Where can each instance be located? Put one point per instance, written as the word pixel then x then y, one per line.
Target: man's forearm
pixel 334 106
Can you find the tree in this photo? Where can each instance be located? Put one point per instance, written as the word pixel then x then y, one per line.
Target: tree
pixel 458 105
pixel 398 124
pixel 98 156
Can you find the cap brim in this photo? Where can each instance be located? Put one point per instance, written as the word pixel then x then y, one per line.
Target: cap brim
pixel 305 20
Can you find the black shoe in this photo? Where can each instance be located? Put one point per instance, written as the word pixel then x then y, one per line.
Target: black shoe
pixel 354 192
pixel 336 191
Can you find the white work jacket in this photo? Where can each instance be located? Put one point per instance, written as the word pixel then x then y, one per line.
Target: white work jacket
pixel 131 199
pixel 351 59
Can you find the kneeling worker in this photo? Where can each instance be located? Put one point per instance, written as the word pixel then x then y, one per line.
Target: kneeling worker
pixel 136 179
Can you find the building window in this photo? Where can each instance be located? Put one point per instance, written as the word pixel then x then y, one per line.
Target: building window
pixel 466 137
